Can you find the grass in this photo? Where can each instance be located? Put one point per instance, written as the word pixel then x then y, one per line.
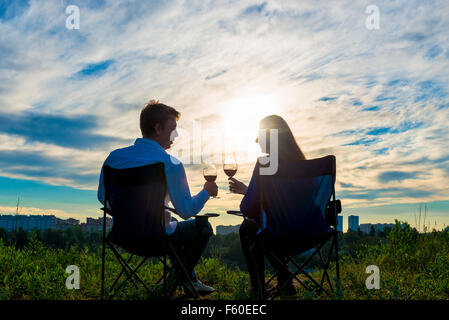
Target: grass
pixel 412 266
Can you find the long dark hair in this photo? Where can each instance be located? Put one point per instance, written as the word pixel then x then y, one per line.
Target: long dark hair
pixel 288 149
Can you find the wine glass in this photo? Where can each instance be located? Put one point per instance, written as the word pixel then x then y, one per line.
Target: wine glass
pixel 230 168
pixel 210 174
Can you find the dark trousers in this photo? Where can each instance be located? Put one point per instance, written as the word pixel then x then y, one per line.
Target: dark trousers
pixel 190 239
pixel 253 251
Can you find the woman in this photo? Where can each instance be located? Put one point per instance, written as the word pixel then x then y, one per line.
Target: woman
pixel 287 150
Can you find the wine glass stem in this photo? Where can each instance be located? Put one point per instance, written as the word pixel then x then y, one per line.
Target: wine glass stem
pixel 229 192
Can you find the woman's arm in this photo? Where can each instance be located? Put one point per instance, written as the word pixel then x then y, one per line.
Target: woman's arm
pixel 250 205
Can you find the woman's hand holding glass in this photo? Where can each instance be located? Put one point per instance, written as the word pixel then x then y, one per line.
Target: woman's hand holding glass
pixel 236 186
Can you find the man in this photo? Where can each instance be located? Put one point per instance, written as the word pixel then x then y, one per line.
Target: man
pixel 158 127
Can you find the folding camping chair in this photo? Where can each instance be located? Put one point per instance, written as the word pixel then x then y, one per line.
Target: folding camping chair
pixel 301 215
pixel 135 199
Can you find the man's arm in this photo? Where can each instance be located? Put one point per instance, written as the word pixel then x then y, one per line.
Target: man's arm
pixel 178 188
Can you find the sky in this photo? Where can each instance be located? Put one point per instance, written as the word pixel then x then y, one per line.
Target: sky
pixel 376 98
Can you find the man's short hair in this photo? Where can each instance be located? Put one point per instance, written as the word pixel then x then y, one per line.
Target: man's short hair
pixel 155 112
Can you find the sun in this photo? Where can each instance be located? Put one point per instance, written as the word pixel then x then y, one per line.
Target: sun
pixel 241 117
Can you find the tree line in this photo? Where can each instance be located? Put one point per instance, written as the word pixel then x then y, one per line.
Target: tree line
pixel 225 247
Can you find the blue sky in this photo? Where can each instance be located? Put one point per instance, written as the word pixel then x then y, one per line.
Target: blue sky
pixel 377 99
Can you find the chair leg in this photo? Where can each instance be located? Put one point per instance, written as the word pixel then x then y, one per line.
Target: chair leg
pixel 300 269
pixel 120 274
pixel 102 265
pixel 165 276
pixel 294 276
pixel 102 272
pixel 133 272
pixel 167 269
pixel 126 267
pixel 337 267
pixel 325 266
pixel 132 276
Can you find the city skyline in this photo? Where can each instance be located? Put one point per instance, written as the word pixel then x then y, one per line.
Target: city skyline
pixel 14 222
pixel 218 228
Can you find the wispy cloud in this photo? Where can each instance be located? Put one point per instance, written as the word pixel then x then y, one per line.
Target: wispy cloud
pixel 95 69
pixel 61 130
pixel 377 99
pixel 388 176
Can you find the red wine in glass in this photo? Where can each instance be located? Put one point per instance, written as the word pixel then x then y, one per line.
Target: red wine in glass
pixel 210 174
pixel 230 168
pixel 210 178
pixel 230 172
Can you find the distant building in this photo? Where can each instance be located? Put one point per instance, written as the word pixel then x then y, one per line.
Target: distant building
pixel 340 223
pixel 44 222
pixel 65 223
pixel 96 224
pixel 353 223
pixel 14 222
pixel 29 222
pixel 227 229
pixel 366 227
pixel 378 227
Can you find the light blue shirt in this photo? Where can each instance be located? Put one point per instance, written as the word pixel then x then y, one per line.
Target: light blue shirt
pixel 145 152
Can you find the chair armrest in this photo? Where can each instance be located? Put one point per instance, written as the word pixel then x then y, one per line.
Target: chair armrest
pixel 234 212
pixel 337 205
pixel 201 219
pixel 208 215
pixel 172 210
pixel 332 208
